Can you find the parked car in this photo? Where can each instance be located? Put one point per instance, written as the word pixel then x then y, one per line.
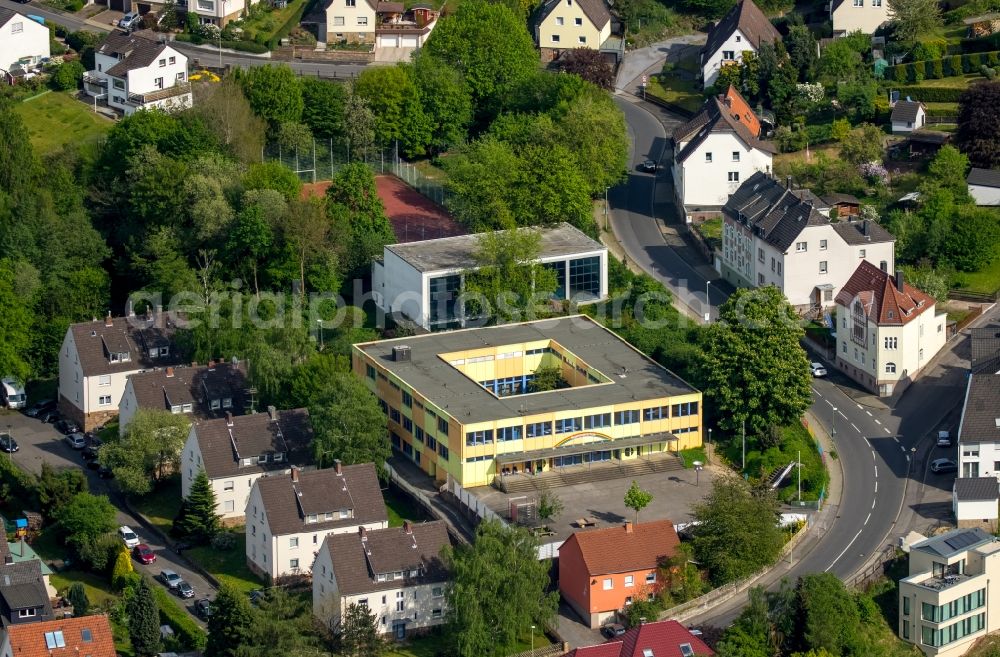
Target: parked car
pixel 130 21
pixel 104 472
pixel 143 554
pixel 76 440
pixel 939 466
pixel 39 408
pixel 129 537
pixel 169 577
pixel 817 369
pixel 67 427
pixel 89 454
pixel 8 444
pixel 183 589
pixel 613 630
pixel 648 166
pixel 49 417
pixel 203 608
pixel 944 439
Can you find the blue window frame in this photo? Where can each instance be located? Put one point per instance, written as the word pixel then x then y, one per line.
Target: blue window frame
pixel 655 413
pixel 407 399
pixel 431 441
pixel 567 425
pixel 683 410
pixel 408 424
pixel 419 434
pixel 626 417
pixel 508 433
pixel 598 421
pixel 442 426
pixel 479 437
pixel 539 429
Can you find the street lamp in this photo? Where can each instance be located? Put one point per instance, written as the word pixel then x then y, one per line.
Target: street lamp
pixel 708 303
pixel 319 332
pixel 697 473
pixel 833 425
pixel 709 451
pixel 532 639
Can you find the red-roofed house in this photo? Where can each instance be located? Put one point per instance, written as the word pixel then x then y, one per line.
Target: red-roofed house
pixel 887 331
pixel 86 636
pixel 604 570
pixel 660 639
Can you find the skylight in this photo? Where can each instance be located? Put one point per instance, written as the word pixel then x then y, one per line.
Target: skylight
pixel 686 650
pixel 55 640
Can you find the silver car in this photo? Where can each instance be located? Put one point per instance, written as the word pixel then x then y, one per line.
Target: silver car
pixel 76 440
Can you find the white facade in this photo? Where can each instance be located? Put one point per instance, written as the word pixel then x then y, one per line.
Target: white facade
pixel 715 169
pixel 94 394
pixel 285 554
pixel 858 16
pixel 218 12
pixel 979 459
pixel 350 20
pixel 163 84
pixel 974 512
pixel 567 27
pixel 985 195
pixel 909 126
pixel 731 52
pixel 22 41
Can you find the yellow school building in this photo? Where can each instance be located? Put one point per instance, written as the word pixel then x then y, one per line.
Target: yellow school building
pixel 466 405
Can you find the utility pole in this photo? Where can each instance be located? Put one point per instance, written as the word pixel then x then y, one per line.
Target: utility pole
pixel 744 466
pixel 798 464
pixel 833 425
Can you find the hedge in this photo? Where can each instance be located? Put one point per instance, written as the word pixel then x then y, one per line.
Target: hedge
pixel 942 112
pixel 242 46
pixel 190 635
pixel 931 94
pixel 984 44
pixel 951 66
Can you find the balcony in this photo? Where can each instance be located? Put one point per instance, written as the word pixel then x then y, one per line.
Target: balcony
pixel 140 100
pixel 91 77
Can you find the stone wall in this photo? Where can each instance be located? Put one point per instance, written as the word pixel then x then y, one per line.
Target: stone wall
pixel 288 53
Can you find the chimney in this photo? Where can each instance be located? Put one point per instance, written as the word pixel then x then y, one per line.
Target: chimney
pixel 170 372
pixel 788 182
pixel 295 474
pixel 229 418
pixel 899 280
pixel 628 526
pixel 363 533
pixel 108 322
pixel 272 413
pixel 129 310
pixel 866 228
pixel 8 559
pixel 407 527
pixel 338 467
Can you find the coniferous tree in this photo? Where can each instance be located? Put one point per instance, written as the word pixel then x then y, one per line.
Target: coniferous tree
pixel 230 625
pixel 143 620
pixel 197 519
pixel 77 596
pixel 359 635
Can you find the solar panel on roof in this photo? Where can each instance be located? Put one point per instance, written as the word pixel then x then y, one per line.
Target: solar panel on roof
pixel 963 540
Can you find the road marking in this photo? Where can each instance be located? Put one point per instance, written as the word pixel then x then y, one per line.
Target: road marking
pixel 818 393
pixel 896 438
pixel 901 448
pixel 830 403
pixel 869 413
pixel 855 427
pixel 878 423
pixel 868 518
pixel 876 472
pixel 873 504
pixel 832 564
pixel 887 429
pixel 876 486
pixel 861 407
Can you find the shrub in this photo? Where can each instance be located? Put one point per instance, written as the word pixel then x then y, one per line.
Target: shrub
pixel 790 140
pixel 989 73
pixel 955 65
pixel 68 76
pixel 966 64
pixel 932 94
pixel 975 61
pixel 890 73
pixel 224 541
pixel 919 71
pixel 188 633
pixel 122 569
pixel 993 59
pixel 935 69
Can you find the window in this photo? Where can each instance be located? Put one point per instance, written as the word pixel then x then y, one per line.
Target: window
pixel 650 578
pixel 629 581
pixel 17 28
pixel 598 421
pixel 582 39
pixel 822 266
pixel 443 426
pixel 407 399
pixel 728 55
pixel 229 506
pixel 55 640
pixel 173 60
pixel 104 380
pixel 351 3
pixel 479 437
pixel 568 425
pixel 293 564
pixel 628 600
pixel 708 158
pixel 227 485
pixel 118 84
pixel 760 254
pixel 608 584
pixel 585 278
pixel 293 542
pixel 26 613
pixel 734 176
pixel 626 417
pixel 655 413
pixel 822 245
pixel 578 21
pixel 906 606
pixel 685 409
pixel 408 424
pixel 163 62
pixel 538 429
pixel 686 650
pixel 891 343
pixel 369 370
pixel 560 20
pixel 435 613
pixel 801 247
pixel 890 368
pixel 86 635
pixel 555 38
pixel 394 414
pixel 431 442
pixel 861 253
pixel 362 20
pixel 779 269
pixel 104 400
pixel 158 83
pixel 760 279
pixel 736 156
pixel 772 264
pixel 859 3
pixel 508 433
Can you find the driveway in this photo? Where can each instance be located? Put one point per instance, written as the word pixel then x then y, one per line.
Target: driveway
pixel 641 60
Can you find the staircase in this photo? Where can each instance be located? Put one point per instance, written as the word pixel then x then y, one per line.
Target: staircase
pixel 581 474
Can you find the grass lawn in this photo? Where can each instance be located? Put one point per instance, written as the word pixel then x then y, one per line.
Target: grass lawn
pixel 794 439
pixel 711 230
pixel 56 119
pixel 957 81
pixel 228 565
pixel 434 644
pixel 832 152
pixel 985 281
pixel 689 456
pixel 98 588
pixel 400 507
pixel 269 22
pixel 161 506
pixel 677 90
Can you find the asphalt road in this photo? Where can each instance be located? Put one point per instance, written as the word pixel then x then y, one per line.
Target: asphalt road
pixel 40 443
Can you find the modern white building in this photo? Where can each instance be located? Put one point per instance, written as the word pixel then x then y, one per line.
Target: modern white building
pixel 397 573
pixel 907 116
pixel 743 29
pixel 775 235
pixel 236 451
pixel 864 16
pixel 138 71
pixel 948 599
pixel 97 357
pixel 984 186
pixel 887 331
pixel 716 151
pixel 289 516
pixel 423 281
pixel 23 41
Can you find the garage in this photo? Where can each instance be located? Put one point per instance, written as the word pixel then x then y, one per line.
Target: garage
pixel 388 41
pixel 410 41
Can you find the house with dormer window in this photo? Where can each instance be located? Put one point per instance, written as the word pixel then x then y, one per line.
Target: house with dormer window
pixel 741 30
pixel 81 636
pixel 235 451
pixel 397 573
pixel 289 516
pixel 97 357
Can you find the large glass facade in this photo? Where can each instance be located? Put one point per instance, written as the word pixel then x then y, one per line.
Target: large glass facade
pixel 560 269
pixel 585 278
pixel 444 291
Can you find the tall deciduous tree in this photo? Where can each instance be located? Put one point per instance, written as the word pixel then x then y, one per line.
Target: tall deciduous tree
pixel 395 101
pixel 225 112
pixel 360 125
pixel 349 424
pixel 197 518
pixel 914 18
pixel 637 499
pixel 16 320
pixel 274 92
pixel 359 633
pixel 502 559
pixel 831 621
pixel 147 451
pixel 801 46
pixel 143 620
pixel 250 240
pixel 446 100
pixel 283 625
pixel 230 626
pixel 323 107
pixel 979 124
pixel 863 144
pixel 357 212
pixel 754 369
pixel 737 529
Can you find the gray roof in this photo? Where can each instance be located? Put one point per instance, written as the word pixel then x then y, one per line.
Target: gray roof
pixel 357 561
pixel 7 14
pixel 595 10
pixel 468 402
pixel 954 542
pixel 853 232
pixel 749 19
pixel 969 489
pixel 837 198
pixel 457 253
pixel 981 414
pixel 905 111
pixel 288 502
pixel 985 348
pixel 773 211
pixel 160 389
pixel 717 115
pixel 134 335
pixel 22 586
pixel 223 445
pixel 133 51
pixel 984 177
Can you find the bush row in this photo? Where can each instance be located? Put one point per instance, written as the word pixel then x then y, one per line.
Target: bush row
pixel 242 46
pixel 931 94
pixel 950 66
pixel 982 44
pixel 188 633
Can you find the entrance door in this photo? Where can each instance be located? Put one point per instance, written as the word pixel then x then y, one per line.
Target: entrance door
pixel 399 630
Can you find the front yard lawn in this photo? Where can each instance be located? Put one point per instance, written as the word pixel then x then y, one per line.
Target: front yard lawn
pixel 711 230
pixel 57 118
pixel 400 507
pixel 162 505
pixel 98 588
pixel 228 565
pixel 264 26
pixel 984 281
pixel 678 90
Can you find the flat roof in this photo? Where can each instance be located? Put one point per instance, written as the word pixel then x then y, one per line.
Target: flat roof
pixel 468 402
pixel 449 253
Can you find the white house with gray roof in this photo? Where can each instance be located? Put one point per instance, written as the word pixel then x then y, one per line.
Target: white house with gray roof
pixel 139 71
pixel 979 428
pixel 23 42
pixel 984 186
pixel 422 281
pixel 908 116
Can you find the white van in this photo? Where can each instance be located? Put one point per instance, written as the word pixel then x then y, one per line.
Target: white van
pixel 12 393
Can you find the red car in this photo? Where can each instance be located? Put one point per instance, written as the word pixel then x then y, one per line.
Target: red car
pixel 143 554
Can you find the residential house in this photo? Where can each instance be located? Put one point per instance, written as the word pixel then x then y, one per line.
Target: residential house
pixel 235 451
pixel 864 16
pixel 403 29
pixel 351 21
pixel 887 331
pixel 83 636
pixel 563 25
pixel 773 235
pixel 288 517
pixel 24 593
pixel 951 585
pixel 979 428
pixel 907 116
pixel 985 349
pixel 23 41
pixel 201 393
pixel 716 151
pixel 741 30
pixel 421 282
pixel 139 71
pixel 974 501
pixel 984 186
pixel 20 552
pixel 602 571
pixel 97 357
pixel 665 638
pixel 217 12
pixel 397 573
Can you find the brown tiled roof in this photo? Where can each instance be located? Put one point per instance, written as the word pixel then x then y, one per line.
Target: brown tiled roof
pixel 287 502
pixel 660 638
pixel 223 446
pixel 133 335
pixel 616 550
pixel 981 414
pixel 883 301
pixel 357 562
pixel 726 113
pixel 132 50
pixel 389 7
pixel 86 636
pixel 595 10
pixel 749 19
pixel 160 389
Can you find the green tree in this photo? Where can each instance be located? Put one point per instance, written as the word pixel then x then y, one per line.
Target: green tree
pixel 840 129
pixel 911 19
pixel 737 529
pixel 323 107
pixel 16 320
pixel 123 570
pixel 225 112
pixel 250 240
pixel 500 559
pixel 359 633
pixel 306 231
pixel 77 598
pixel 830 619
pixel 683 579
pixel 948 171
pixel 545 378
pixel 590 65
pixel 360 125
pixel 801 46
pixel 67 76
pixel 549 505
pixel 864 144
pixel 197 518
pixel 273 91
pixel 395 100
pixel 295 138
pixel 143 620
pixel 978 133
pixel 148 451
pixel 283 624
pixel 971 244
pixel 637 499
pixel 273 175
pixel 446 100
pixel 354 206
pixel 840 61
pixel 593 128
pixel 230 626
pixel 349 424
pixel 57 487
pixel 86 518
pixel 754 370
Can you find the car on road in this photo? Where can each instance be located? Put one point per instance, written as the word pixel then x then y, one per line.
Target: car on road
pixel 940 466
pixel 104 472
pixel 944 439
pixel 649 166
pixel 129 537
pixel 76 440
pixel 89 454
pixel 130 21
pixel 143 554
pixel 203 608
pixel 613 630
pixel 183 589
pixel 8 444
pixel 170 578
pixel 67 427
pixel 38 409
pixel 817 369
